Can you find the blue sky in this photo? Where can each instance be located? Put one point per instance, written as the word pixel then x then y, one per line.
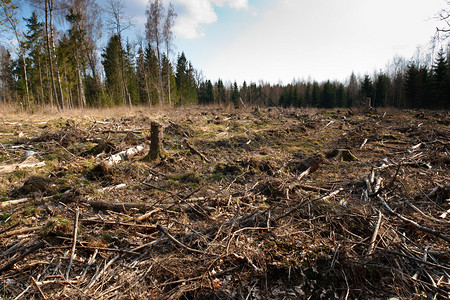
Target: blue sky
pixel 285 40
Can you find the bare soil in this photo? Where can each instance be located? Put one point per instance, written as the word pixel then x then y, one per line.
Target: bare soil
pixel 257 203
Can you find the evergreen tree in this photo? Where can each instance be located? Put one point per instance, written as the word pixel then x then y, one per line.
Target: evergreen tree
pixel 34 42
pixel 6 76
pixel 381 90
pixel 440 89
pixel 235 95
pixel 187 91
pixel 315 94
pixel 111 60
pixel 367 88
pixel 328 95
pixel 220 91
pixel 417 84
pixel 341 96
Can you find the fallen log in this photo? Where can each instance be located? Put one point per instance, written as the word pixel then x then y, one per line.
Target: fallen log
pixel 123 155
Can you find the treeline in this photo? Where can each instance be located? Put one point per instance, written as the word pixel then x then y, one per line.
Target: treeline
pixel 404 85
pixel 66 67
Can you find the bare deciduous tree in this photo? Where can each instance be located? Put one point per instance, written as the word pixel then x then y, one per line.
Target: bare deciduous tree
pixel 168 37
pixel 117 24
pixel 154 31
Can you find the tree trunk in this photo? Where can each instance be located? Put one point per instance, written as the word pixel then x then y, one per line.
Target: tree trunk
pixel 25 74
pixel 41 87
pixel 159 73
pixel 58 76
pixel 81 97
pixel 50 57
pixel 169 72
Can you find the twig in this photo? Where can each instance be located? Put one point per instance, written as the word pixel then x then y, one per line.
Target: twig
pixel 9 228
pixel 38 288
pixel 242 229
pixel 363 144
pixel 195 151
pixel 325 197
pixel 117 223
pixel 423 214
pixel 166 232
pixel 102 271
pixel 375 233
pixel 147 215
pixel 415 224
pixel 23 230
pixel 11 263
pixel 74 243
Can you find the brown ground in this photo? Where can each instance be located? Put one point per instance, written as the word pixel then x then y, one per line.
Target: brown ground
pixel 239 218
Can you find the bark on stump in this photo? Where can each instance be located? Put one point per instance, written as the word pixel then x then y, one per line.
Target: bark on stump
pixel 156 136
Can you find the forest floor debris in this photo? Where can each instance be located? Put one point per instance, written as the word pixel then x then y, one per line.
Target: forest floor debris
pixel 244 204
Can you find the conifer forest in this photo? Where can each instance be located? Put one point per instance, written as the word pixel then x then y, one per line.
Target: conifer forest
pixel 125 173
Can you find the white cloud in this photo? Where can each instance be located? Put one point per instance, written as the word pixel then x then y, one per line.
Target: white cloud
pixel 236 4
pixel 197 13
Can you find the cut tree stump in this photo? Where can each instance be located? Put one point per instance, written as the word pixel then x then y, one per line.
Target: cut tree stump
pixel 156 146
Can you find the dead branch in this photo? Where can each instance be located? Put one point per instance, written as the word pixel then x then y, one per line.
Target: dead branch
pixel 117 223
pixel 166 232
pixel 74 242
pixel 195 151
pixel 10 263
pixel 13 202
pixel 118 206
pixel 375 233
pixel 415 224
pixel 124 155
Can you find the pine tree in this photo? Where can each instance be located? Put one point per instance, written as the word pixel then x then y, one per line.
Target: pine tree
pixel 367 88
pixel 111 60
pixel 440 92
pixel 328 95
pixel 34 43
pixel 235 95
pixel 187 90
pixel 381 90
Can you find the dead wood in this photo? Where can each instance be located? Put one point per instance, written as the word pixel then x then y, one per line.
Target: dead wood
pixel 375 234
pixel 38 245
pixel 117 206
pixel 74 242
pixel 195 151
pixel 273 220
pixel 156 142
pixel 166 233
pixel 344 154
pixel 13 202
pixel 123 155
pixel 415 224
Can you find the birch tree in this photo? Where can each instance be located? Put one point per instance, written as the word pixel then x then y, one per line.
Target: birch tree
pixel 168 38
pixel 154 32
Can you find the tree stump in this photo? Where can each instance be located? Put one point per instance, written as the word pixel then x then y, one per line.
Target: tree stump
pixel 156 137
